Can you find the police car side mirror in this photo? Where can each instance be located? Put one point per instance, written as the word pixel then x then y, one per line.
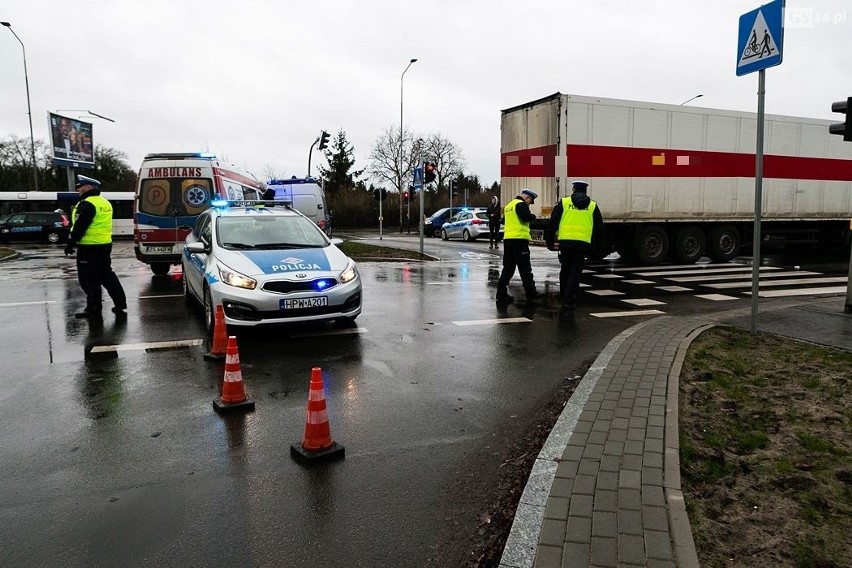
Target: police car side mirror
pixel 197 248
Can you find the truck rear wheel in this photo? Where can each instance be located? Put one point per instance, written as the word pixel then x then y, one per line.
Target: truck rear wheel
pixel 724 243
pixel 688 244
pixel 652 245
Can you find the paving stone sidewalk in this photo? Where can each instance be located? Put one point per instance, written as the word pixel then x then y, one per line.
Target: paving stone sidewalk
pixel 605 489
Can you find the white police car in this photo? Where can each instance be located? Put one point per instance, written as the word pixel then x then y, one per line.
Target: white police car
pixel 267 265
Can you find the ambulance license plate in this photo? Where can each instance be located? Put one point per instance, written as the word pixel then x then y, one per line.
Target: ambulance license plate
pixel 301 303
pixel 158 250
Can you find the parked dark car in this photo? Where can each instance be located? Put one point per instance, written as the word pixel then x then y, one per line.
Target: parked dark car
pixel 35 226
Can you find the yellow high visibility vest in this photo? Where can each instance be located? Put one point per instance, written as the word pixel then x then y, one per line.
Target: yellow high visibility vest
pixel 576 224
pixel 100 231
pixel 514 228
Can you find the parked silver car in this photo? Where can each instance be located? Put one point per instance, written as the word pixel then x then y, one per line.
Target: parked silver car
pixel 467 225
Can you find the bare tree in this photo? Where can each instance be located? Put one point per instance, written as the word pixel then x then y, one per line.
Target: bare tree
pixel 392 161
pixel 446 155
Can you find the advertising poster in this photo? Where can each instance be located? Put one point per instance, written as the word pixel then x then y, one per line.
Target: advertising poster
pixel 71 142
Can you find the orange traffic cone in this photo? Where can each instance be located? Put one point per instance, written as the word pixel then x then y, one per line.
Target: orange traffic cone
pixel 233 391
pixel 317 444
pixel 220 336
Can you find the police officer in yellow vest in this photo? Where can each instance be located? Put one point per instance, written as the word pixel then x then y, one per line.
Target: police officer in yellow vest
pixel 516 247
pixel 91 233
pixel 575 223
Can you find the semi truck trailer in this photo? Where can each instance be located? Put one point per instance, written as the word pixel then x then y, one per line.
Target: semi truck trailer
pixel 676 181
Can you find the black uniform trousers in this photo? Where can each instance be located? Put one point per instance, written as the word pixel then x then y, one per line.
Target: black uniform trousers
pixel 516 254
pixel 572 256
pixel 493 232
pixel 94 269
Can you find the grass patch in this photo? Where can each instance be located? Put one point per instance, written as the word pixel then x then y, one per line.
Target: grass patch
pixel 766 439
pixel 363 251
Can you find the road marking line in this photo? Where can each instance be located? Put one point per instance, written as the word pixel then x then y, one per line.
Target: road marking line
pixel 608 276
pixel 716 297
pixel 665 267
pixel 673 288
pixel 348 331
pixel 702 271
pixel 16 304
pixel 735 276
pixel 164 296
pixel 492 321
pixel 644 302
pixel 147 346
pixel 606 292
pixel 630 313
pixel 638 281
pixel 786 282
pixel 801 292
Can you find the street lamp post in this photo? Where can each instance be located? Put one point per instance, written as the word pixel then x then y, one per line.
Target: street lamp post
pixel 690 100
pixel 401 77
pixel 29 109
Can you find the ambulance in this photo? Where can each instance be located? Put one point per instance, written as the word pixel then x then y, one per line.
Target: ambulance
pixel 172 190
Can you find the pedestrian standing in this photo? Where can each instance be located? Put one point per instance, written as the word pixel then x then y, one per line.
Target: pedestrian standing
pixel 495 213
pixel 576 222
pixel 91 233
pixel 516 247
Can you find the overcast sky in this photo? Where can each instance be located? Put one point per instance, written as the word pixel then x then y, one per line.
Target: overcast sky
pixel 257 80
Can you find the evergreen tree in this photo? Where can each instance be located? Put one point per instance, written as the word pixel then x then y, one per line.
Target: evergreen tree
pixel 341 158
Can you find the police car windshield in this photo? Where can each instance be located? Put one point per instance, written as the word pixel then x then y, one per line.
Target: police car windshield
pixel 269 232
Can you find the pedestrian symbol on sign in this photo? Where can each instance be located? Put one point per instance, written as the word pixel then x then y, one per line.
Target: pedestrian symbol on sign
pixel 764 47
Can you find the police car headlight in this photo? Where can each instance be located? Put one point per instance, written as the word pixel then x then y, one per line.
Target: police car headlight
pixel 236 279
pixel 349 274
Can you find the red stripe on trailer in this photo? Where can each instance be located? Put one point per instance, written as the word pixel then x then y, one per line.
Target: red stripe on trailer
pixel 532 162
pixel 616 161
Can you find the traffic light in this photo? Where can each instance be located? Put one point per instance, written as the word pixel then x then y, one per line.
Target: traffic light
pixel 323 140
pixel 842 128
pixel 453 190
pixel 405 196
pixel 380 194
pixel 430 171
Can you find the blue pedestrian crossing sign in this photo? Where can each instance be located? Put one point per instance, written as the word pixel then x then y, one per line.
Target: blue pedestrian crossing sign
pixel 418 177
pixel 760 43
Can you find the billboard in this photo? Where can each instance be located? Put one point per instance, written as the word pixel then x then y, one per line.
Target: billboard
pixel 71 142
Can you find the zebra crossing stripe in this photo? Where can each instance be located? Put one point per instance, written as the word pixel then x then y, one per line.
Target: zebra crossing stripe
pixel 801 292
pixel 735 276
pixel 628 313
pixel 784 282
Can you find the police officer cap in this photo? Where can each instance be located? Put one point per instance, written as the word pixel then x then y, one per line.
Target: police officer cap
pixel 85 180
pixel 580 185
pixel 531 194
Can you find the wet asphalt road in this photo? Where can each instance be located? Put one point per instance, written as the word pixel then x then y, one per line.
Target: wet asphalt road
pixel 119 458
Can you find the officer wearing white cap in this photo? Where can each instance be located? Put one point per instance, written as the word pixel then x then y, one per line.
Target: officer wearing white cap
pixel 91 233
pixel 516 247
pixel 575 223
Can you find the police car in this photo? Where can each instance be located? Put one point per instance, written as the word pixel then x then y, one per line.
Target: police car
pixel 267 265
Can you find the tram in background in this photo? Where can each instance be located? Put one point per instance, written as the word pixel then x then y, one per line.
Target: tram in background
pixel 47 201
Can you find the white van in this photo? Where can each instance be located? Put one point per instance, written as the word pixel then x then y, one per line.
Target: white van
pixel 305 196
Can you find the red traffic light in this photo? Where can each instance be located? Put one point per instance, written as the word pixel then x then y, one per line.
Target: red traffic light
pixel 405 195
pixel 430 170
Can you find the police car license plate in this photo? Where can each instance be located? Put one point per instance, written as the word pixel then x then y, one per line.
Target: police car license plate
pixel 301 303
pixel 161 249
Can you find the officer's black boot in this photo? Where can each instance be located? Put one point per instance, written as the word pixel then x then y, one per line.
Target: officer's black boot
pixel 503 296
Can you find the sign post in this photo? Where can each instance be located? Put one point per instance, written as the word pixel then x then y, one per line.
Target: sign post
pixel 759 45
pixel 418 187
